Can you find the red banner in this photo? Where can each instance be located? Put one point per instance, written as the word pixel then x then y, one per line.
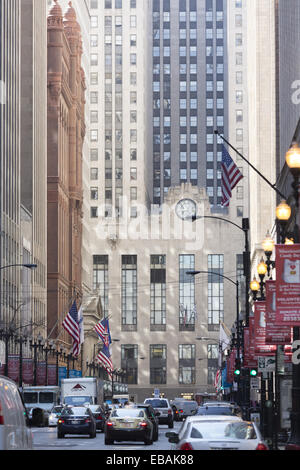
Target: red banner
pixel 27 367
pixel 261 348
pixel 275 334
pixel 288 284
pixel 51 374
pixel 41 373
pixel 249 358
pixel 13 367
pixel 231 366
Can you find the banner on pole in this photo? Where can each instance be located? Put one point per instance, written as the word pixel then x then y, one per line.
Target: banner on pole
pixel 275 334
pixel 261 348
pixel 288 284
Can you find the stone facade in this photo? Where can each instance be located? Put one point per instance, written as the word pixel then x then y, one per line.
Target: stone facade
pixel 66 132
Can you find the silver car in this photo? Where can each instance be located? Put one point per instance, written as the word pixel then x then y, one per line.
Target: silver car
pixel 218 433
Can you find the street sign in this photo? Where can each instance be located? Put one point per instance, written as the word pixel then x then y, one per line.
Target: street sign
pixel 254 383
pixel 266 363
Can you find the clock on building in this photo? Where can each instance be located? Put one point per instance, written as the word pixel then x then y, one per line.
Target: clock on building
pixel 186 209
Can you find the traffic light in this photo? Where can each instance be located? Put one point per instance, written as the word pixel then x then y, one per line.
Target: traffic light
pixel 253 372
pixel 237 370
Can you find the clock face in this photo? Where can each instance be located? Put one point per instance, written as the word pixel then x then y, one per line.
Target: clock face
pixel 186 208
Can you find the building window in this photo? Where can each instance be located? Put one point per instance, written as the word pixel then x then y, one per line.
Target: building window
pixel 215 290
pixel 158 362
pixel 129 289
pixel 158 289
pixel 100 279
pixel 94 212
pixel 187 375
pixel 94 194
pixel 129 362
pixel 94 173
pixel 186 293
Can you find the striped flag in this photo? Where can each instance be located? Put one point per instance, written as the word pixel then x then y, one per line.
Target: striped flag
pixel 218 380
pixel 230 176
pixel 71 325
pixel 102 330
pixel 104 358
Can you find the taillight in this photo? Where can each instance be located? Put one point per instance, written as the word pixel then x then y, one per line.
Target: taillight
pixel 261 446
pixel 88 420
pixel 186 446
pixel 99 417
pixel 109 424
pixel 1 415
pixel 180 411
pixel 169 412
pixel 143 424
pixel 61 421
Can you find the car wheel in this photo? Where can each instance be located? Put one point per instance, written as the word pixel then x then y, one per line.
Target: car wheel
pixel 108 442
pixel 148 441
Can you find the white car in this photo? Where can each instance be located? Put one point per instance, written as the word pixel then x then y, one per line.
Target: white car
pixel 54 415
pixel 14 431
pixel 217 433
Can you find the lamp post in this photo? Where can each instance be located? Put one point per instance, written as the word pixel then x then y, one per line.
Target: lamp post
pixel 293 162
pixel 9 334
pixel 246 254
pixel 236 283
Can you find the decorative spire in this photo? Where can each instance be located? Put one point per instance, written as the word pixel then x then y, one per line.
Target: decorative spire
pixel 56 9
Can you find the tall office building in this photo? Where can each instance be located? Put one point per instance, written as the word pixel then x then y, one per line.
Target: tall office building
pixel 159 87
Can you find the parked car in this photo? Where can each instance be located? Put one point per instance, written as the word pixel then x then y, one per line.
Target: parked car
pixel 219 434
pixel 228 410
pixel 184 407
pixel 54 415
pixel 99 415
pixel 128 424
pixel 15 433
pixel 76 420
pixel 152 415
pixel 164 408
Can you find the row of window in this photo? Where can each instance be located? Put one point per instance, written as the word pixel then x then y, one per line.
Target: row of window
pixel 158 363
pixel 94 4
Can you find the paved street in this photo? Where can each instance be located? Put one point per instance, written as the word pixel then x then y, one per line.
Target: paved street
pixel 46 439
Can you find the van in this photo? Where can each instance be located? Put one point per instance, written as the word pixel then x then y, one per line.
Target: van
pixel 184 407
pixel 14 431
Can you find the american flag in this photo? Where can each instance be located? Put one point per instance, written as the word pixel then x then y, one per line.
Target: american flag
pixel 102 330
pixel 71 325
pixel 104 358
pixel 230 176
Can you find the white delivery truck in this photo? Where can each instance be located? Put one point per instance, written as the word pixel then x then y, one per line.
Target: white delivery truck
pixel 80 390
pixel 43 397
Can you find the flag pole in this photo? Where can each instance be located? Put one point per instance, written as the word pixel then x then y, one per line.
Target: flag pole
pixel 253 167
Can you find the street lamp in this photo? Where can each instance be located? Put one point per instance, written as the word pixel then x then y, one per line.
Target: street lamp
pixel 262 271
pixel 293 162
pixel 236 283
pixel 283 214
pixel 268 246
pixel 254 286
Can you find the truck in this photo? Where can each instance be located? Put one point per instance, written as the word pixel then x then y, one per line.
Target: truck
pixel 42 397
pixel 81 390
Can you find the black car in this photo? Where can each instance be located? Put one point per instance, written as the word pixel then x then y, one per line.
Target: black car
pixel 99 415
pixel 152 416
pixel 76 420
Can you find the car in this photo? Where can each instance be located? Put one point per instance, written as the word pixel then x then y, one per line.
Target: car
pixel 164 408
pixel 128 424
pixel 152 415
pixel 228 410
pixel 219 434
pixel 76 420
pixel 54 415
pixel 99 415
pixel 184 408
pixel 15 432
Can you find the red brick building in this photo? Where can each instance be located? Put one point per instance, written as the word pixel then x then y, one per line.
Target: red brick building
pixel 66 131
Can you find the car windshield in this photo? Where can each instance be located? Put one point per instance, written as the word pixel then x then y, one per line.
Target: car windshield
pixel 95 408
pixel 77 400
pixel 76 411
pixel 57 409
pixel 47 397
pixel 221 430
pixel 30 397
pixel 216 410
pixel 156 403
pixel 127 413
